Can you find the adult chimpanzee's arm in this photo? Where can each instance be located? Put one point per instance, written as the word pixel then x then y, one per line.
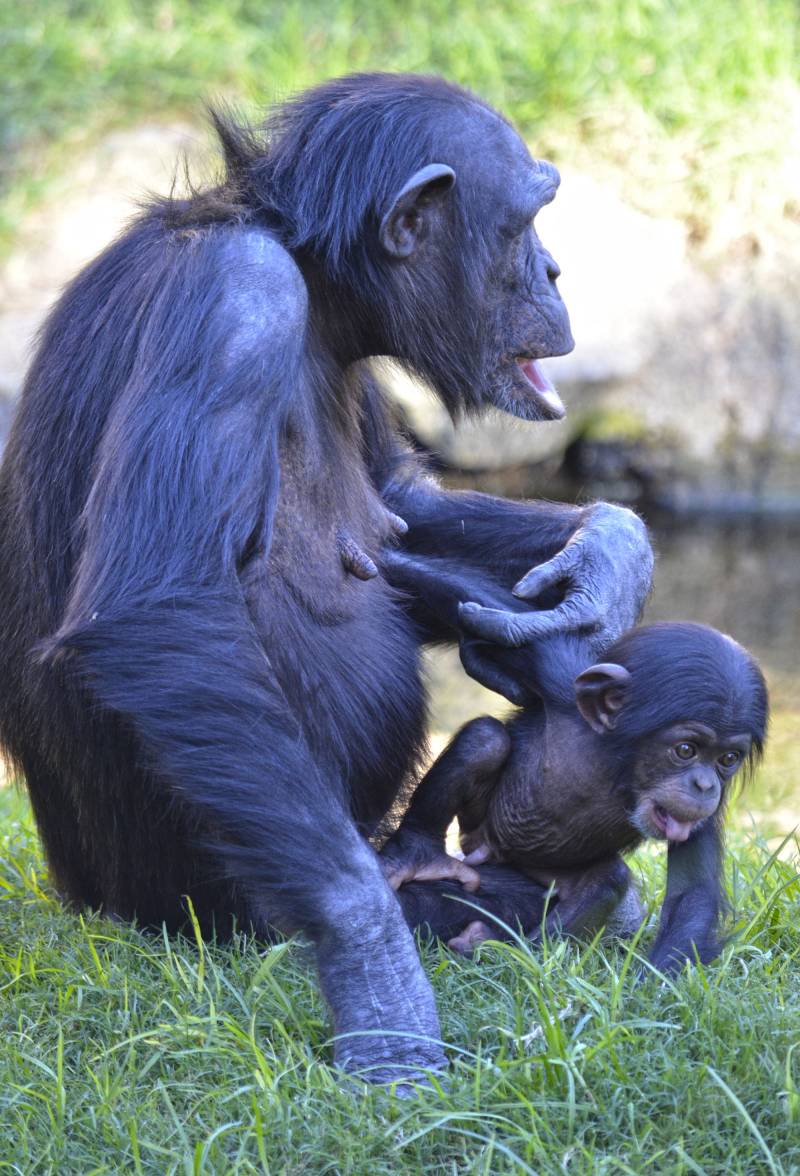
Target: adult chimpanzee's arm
pixel 595 561
pixel 157 627
pixel 597 558
pixel 694 901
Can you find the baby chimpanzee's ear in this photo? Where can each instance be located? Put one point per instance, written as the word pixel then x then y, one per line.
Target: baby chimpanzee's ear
pixel 600 694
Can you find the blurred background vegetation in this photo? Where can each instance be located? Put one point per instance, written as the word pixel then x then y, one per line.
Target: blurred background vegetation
pixel 677 127
pixel 694 78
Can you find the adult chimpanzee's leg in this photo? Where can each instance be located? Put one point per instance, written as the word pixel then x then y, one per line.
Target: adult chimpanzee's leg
pixel 158 631
pixel 56 815
pixel 197 687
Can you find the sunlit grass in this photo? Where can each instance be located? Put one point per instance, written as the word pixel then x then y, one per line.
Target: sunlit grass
pixel 614 72
pixel 125 1052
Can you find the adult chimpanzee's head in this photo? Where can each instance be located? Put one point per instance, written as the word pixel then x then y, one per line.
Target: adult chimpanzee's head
pixel 409 205
pixel 685 708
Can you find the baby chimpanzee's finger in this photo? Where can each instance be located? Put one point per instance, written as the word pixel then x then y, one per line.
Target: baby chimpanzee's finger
pixel 438 869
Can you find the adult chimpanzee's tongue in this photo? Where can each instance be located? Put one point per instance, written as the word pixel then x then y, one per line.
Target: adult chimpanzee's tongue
pixel 676 830
pixel 546 394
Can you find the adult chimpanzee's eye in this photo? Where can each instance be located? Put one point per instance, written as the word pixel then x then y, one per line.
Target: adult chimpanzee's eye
pixel 729 759
pixel 685 751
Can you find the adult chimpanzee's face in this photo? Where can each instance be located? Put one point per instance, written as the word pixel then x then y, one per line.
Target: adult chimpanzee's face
pixel 474 303
pixel 679 777
pixel 522 302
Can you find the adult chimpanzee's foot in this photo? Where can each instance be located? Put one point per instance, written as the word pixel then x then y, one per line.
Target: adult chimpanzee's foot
pixel 385 1020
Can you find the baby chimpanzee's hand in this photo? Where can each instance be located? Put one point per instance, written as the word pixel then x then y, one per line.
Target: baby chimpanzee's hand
pixel 413 856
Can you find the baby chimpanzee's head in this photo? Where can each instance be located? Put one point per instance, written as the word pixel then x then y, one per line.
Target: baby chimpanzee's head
pixel 685 708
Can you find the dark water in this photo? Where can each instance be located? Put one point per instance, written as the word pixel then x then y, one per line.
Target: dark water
pixel 742 577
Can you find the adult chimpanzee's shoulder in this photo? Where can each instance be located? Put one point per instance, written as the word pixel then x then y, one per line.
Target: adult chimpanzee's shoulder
pixel 261 292
pixel 264 280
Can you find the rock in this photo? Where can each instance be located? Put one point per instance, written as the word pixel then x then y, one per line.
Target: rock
pixel 82 213
pixel 609 255
pixel 6 412
pixel 700 359
pixel 493 441
pixel 620 270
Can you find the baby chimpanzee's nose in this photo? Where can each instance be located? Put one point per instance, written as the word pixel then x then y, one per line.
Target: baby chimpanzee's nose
pixel 703 779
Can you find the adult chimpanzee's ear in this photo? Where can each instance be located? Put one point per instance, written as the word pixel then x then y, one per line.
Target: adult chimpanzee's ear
pixel 600 694
pixel 404 224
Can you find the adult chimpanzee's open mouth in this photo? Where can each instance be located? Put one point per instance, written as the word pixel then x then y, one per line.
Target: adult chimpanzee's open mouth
pixel 540 388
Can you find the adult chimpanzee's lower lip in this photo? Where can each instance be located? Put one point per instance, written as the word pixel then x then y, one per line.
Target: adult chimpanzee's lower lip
pixel 542 389
pixel 672 828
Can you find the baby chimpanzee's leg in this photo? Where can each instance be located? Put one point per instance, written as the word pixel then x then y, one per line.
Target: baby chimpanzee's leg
pixel 463 777
pixel 506 896
pixel 589 898
pixel 581 902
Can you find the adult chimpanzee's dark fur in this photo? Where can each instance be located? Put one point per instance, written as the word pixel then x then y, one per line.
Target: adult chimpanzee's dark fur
pixel 206 676
pixel 644 744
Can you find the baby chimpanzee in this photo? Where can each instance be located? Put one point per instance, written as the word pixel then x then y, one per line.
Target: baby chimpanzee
pixel 642 745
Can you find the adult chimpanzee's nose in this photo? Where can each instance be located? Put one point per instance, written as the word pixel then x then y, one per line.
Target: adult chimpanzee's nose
pixel 552 267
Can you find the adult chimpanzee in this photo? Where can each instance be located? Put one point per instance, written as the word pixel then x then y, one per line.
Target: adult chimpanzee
pixel 643 746
pixel 206 686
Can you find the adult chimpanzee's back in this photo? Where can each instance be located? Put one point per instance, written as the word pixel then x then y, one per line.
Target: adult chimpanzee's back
pixel 208 679
pixel 112 837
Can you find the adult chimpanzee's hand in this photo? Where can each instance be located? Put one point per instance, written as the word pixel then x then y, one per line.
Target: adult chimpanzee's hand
pixel 604 571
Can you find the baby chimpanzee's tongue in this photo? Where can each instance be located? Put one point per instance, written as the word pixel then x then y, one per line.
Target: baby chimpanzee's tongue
pixel 676 830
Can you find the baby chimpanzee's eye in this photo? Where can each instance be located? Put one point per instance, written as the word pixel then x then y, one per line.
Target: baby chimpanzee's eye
pixel 685 751
pixel 729 759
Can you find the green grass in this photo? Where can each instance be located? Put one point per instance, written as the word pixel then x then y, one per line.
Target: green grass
pixel 124 1052
pixel 69 68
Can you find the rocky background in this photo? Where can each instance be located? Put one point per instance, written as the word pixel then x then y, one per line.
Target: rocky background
pixel 684 387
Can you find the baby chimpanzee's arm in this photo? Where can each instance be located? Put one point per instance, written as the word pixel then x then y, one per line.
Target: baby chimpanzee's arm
pixel 463 776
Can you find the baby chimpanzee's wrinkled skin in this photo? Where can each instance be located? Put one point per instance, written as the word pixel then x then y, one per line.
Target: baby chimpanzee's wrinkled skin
pixel 645 747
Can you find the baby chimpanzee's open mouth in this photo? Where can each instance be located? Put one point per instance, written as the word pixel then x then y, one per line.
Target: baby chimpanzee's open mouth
pixel 672 828
pixel 542 389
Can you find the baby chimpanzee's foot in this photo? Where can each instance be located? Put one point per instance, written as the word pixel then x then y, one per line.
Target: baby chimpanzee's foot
pixel 410 856
pixel 467 940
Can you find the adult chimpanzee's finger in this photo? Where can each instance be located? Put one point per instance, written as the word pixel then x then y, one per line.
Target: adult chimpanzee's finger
pixel 492 624
pixel 545 576
pixel 514 629
pixel 577 614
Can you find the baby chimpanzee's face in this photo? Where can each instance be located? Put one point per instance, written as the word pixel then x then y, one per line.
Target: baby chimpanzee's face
pixel 679 778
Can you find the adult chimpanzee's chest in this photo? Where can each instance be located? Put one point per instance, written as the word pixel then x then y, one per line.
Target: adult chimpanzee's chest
pixel 344 650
